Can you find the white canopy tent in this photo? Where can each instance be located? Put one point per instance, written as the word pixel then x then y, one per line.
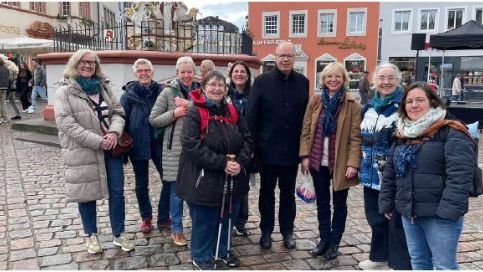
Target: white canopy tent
pixel 26 43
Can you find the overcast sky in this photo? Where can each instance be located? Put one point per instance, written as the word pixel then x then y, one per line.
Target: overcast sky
pixel 230 11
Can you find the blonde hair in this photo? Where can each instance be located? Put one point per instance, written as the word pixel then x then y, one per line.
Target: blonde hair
pixel 70 70
pixel 185 60
pixel 332 68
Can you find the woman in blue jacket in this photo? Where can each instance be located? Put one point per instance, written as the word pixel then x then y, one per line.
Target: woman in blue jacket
pixel 137 101
pixel 428 177
pixel 379 117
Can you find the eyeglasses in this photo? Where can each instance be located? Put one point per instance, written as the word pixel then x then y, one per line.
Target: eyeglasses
pixel 288 56
pixel 419 101
pixel 143 71
pixel 90 63
pixel 388 78
pixel 214 85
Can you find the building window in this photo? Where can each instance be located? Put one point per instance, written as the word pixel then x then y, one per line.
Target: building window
pixel 298 23
pixel 37 7
pixel 428 19
pixel 65 8
pixel 109 18
pixel 15 4
pixel 455 18
pixel 127 5
pixel 357 22
pixel 402 20
pixel 479 15
pixel 271 24
pixel 85 9
pixel 327 22
pixel 355 65
pixel 320 64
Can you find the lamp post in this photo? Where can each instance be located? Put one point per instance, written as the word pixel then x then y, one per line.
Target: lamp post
pixel 69 29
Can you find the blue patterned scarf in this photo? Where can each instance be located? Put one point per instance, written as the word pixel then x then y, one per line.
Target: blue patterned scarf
pixel 331 105
pixel 380 103
pixel 89 86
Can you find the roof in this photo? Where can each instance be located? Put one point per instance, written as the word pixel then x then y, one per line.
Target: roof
pixel 210 20
pixel 466 36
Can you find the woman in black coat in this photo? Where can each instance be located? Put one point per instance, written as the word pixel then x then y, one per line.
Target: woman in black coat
pixel 23 78
pixel 428 177
pixel 205 170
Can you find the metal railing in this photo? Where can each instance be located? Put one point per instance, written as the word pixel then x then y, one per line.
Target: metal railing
pixel 151 36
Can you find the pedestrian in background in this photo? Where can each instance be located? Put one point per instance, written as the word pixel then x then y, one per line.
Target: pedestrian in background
pixel 238 91
pixel 168 114
pixel 364 88
pixel 23 78
pixel 4 81
pixel 12 79
pixel 427 178
pixel 379 118
pixel 205 170
pixel 274 114
pixel 206 66
pixel 330 148
pixel 39 83
pixel 138 101
pixel 90 121
pixel 457 88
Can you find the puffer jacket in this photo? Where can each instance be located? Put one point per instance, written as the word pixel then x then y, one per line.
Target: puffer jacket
pixel 201 174
pixel 138 102
pixel 438 185
pixel 377 138
pixel 80 138
pixel 162 116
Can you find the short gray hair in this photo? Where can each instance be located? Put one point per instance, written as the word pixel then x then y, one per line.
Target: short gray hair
pixel 70 70
pixel 387 65
pixel 185 60
pixel 142 61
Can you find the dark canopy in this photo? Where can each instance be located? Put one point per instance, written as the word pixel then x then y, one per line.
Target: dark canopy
pixel 467 36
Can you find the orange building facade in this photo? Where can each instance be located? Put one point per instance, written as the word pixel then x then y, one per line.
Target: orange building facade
pixel 322 32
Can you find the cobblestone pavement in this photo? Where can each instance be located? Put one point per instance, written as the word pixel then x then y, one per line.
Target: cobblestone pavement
pixel 39 230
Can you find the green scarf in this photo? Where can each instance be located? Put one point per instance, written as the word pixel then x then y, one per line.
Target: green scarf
pixel 89 86
pixel 380 103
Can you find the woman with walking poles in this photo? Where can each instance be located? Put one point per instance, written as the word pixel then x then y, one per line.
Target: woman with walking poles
pixel 212 178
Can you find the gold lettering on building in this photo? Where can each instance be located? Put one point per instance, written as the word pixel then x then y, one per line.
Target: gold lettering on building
pixel 345 44
pixel 10 29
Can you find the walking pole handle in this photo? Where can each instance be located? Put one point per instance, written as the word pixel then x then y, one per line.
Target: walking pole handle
pixel 231 157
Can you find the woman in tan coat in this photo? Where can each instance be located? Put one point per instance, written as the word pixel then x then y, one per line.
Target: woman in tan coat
pixel 84 107
pixel 330 147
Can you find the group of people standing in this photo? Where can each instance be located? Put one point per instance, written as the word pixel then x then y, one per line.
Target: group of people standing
pixel 206 138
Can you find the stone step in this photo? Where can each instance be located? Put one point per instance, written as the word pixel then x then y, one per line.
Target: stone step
pixel 37 125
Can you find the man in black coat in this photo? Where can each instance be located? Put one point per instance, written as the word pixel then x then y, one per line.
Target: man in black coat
pixel 275 112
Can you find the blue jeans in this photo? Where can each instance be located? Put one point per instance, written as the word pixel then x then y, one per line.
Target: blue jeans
pixel 330 228
pixel 115 183
pixel 141 176
pixel 433 242
pixel 38 90
pixel 175 208
pixel 204 232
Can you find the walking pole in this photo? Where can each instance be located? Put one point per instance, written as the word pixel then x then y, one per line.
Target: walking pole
pixel 231 157
pixel 222 211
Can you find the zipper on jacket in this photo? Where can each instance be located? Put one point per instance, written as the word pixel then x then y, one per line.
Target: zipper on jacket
pixel 202 174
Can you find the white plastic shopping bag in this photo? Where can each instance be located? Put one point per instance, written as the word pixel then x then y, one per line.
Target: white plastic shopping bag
pixel 306 191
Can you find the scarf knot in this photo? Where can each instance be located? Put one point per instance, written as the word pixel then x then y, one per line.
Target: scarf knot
pixel 90 86
pixel 381 103
pixel 331 105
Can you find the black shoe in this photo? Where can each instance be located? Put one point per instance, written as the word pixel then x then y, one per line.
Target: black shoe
pixel 231 261
pixel 332 252
pixel 266 241
pixel 320 249
pixel 288 241
pixel 203 265
pixel 18 117
pixel 242 231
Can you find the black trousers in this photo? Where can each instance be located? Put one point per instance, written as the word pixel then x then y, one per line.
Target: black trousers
pixel 286 177
pixel 388 242
pixel 24 97
pixel 330 228
pixel 242 218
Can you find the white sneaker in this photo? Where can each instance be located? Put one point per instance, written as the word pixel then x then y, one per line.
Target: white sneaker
pixel 1 120
pixel 30 111
pixel 370 265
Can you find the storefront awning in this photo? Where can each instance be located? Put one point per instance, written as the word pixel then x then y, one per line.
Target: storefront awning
pixel 25 43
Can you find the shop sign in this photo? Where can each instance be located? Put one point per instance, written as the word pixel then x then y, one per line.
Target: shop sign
pixel 10 29
pixel 268 42
pixel 40 29
pixel 345 44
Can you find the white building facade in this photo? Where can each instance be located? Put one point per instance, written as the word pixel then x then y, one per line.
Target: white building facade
pixel 400 20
